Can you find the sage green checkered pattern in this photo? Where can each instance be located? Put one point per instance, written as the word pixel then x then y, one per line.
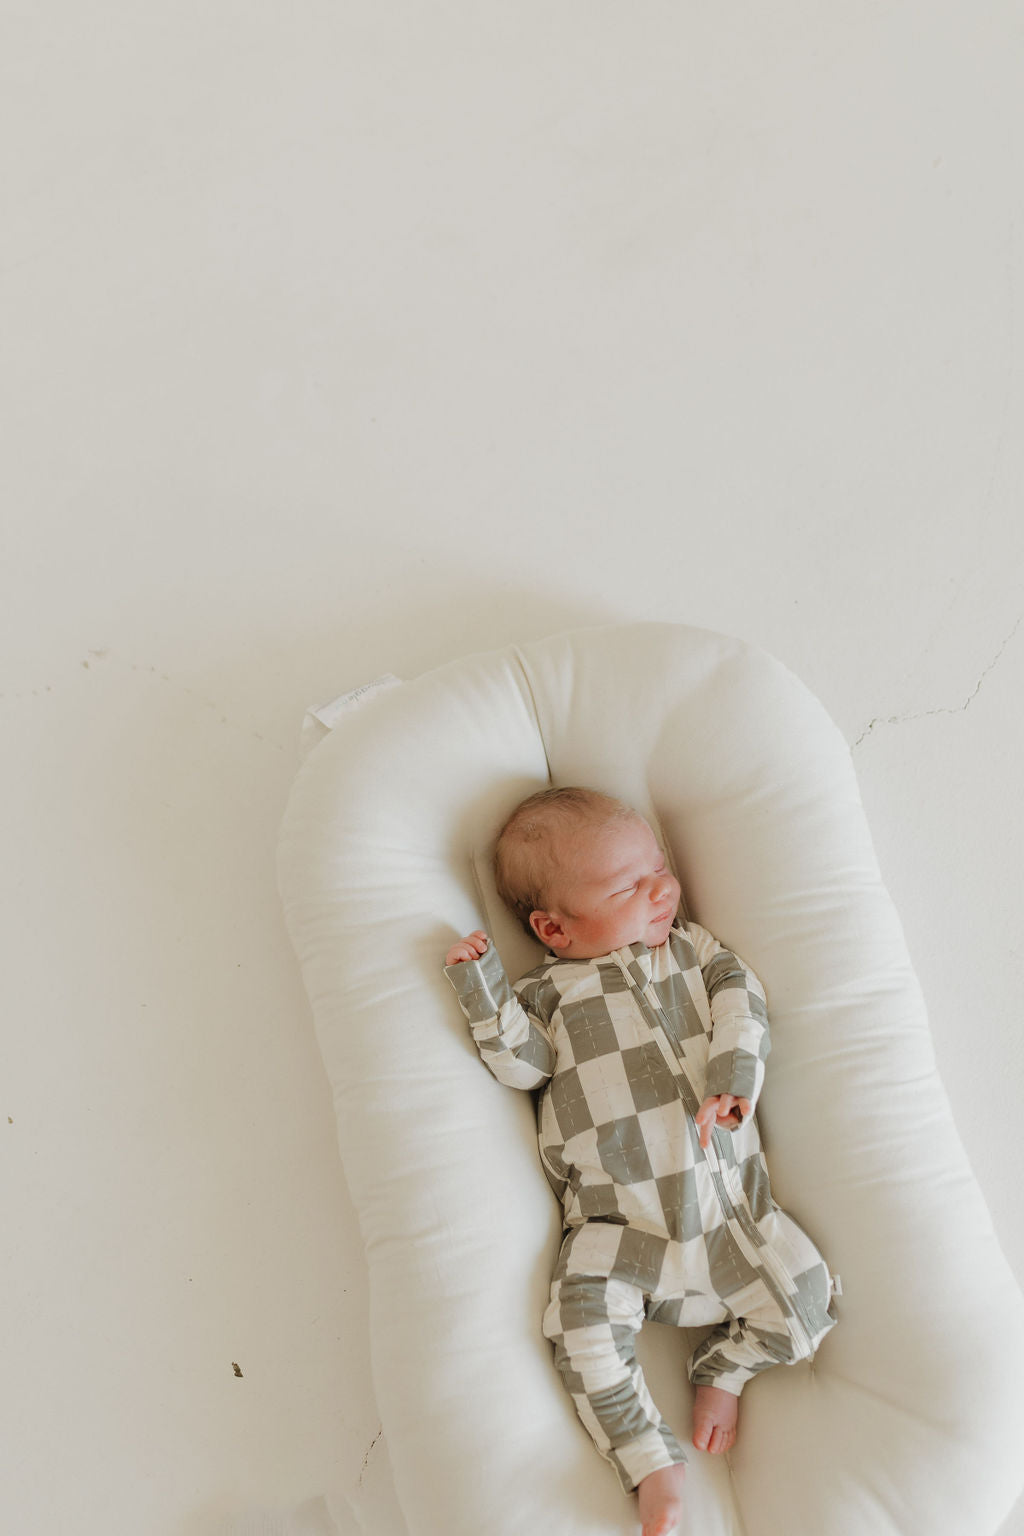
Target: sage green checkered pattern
pixel 624 1049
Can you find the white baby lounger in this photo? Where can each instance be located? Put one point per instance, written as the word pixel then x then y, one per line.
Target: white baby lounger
pixel 908 1420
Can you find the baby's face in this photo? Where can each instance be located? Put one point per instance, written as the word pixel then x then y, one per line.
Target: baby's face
pixel 615 890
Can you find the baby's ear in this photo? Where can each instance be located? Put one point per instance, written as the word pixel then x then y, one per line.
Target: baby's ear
pixel 548 929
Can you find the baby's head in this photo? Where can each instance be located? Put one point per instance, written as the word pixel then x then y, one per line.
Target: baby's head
pixel 584 874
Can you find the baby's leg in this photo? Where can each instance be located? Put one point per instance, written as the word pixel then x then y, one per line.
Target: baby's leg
pixel 771 1325
pixel 593 1322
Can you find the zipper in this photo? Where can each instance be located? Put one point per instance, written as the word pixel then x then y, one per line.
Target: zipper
pixel 776 1277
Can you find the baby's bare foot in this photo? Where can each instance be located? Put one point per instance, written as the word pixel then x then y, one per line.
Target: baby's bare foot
pixel 714 1420
pixel 661 1500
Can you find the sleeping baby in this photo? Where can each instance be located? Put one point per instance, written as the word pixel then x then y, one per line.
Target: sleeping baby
pixel 648 1041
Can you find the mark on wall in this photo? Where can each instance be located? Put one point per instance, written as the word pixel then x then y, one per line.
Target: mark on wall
pixel 944 709
pixel 369 1453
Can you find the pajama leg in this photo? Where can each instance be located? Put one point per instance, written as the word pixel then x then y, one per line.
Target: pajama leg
pixel 770 1323
pixel 593 1322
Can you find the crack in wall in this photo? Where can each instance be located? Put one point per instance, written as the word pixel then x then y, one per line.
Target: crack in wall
pixel 942 709
pixel 369 1453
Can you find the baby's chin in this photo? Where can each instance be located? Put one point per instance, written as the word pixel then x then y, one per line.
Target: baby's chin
pixel 657 933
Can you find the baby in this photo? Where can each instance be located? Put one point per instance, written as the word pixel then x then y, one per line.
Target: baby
pixel 648 1041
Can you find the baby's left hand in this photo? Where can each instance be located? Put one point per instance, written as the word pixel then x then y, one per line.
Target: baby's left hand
pixel 723 1109
pixel 472 947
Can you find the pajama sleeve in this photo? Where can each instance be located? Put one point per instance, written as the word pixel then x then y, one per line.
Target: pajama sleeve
pixel 514 1044
pixel 740 1040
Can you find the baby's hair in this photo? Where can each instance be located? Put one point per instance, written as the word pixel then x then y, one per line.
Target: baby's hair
pixel 524 858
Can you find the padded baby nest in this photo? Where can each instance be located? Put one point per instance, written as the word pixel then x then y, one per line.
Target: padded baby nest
pixel 908 1420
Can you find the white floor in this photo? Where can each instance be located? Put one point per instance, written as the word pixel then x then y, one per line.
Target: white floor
pixel 345 338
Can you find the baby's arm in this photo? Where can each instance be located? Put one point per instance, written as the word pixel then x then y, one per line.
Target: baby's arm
pixel 514 1044
pixel 740 1040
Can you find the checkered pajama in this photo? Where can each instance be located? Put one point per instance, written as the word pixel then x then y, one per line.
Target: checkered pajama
pixel 625 1048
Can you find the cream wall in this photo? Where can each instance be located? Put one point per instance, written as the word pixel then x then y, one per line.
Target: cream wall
pixel 342 337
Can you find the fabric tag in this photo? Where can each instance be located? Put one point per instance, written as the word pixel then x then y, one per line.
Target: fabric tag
pixel 322 718
pixel 330 714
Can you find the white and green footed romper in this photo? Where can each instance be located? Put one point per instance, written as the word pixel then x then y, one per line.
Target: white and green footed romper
pixel 625 1049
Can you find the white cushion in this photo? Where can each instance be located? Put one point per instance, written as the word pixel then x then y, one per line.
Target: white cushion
pixel 908 1420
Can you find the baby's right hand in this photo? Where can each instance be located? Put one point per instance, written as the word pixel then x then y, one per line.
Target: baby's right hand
pixel 470 948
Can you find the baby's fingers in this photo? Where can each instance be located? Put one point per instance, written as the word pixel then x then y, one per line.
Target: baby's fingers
pixel 704 1119
pixel 732 1111
pixel 470 948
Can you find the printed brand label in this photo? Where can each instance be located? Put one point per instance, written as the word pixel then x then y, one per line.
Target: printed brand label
pixel 330 714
